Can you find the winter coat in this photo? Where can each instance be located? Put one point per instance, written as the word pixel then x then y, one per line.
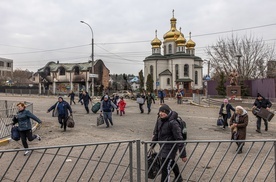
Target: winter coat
pixel 86 98
pixel 106 106
pixel 150 99
pixel 23 119
pixel 229 107
pixel 242 124
pixel 168 129
pixel 121 105
pixel 56 111
pixel 264 103
pixel 71 95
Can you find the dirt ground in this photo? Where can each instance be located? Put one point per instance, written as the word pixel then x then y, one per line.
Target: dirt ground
pixel 201 124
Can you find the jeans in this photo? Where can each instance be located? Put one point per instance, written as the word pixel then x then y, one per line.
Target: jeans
pixel 72 101
pixel 141 108
pixel 149 106
pixel 162 100
pixel 26 134
pixel 179 101
pixel 107 116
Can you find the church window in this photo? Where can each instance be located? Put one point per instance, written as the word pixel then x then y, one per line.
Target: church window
pixel 176 72
pixel 165 49
pixel 151 70
pixel 168 81
pixel 61 71
pixel 170 49
pixel 196 77
pixel 186 70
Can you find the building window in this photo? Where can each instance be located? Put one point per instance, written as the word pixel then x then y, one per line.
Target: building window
pixel 196 77
pixel 176 72
pixel 151 71
pixel 165 49
pixel 47 71
pixel 61 71
pixel 8 65
pixel 186 70
pixel 76 71
pixel 168 81
pixel 170 49
pixel 1 63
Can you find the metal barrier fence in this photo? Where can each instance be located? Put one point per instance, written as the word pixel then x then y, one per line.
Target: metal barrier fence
pixel 127 161
pixel 8 110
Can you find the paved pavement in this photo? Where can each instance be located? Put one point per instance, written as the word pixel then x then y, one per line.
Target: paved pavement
pixel 201 124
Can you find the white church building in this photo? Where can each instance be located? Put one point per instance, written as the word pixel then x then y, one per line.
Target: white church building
pixel 178 67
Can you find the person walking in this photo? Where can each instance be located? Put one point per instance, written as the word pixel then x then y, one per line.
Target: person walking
pixel 72 97
pixel 121 105
pixel 167 128
pixel 238 124
pixel 179 96
pixel 106 109
pixel 261 102
pixel 60 110
pixel 225 112
pixel 86 98
pixel 161 95
pixel 149 100
pixel 23 118
pixel 141 102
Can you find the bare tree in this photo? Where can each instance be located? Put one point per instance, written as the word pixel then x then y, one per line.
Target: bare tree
pixel 247 55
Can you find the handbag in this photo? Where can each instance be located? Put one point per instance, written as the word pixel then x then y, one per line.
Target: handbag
pixel 15 133
pixel 220 121
pixel 154 163
pixel 100 120
pixel 70 122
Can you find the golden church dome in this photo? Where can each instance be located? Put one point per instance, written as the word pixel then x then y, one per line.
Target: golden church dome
pixel 180 41
pixel 156 43
pixel 190 43
pixel 173 33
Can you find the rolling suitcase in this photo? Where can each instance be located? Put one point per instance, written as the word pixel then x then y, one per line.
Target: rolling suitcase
pixel 96 107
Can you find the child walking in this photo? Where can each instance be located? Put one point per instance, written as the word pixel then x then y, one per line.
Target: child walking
pixel 122 105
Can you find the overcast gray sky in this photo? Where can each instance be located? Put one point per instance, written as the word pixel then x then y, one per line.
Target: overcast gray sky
pixel 34 32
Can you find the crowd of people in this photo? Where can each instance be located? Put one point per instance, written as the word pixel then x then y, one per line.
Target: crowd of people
pixel 166 128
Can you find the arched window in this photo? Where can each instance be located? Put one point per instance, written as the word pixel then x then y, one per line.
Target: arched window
pixel 168 81
pixel 61 71
pixel 1 63
pixel 186 70
pixel 170 49
pixel 76 71
pixel 165 49
pixel 176 72
pixel 151 71
pixel 196 77
pixel 47 71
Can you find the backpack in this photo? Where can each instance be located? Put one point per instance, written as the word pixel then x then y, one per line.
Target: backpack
pixel 183 127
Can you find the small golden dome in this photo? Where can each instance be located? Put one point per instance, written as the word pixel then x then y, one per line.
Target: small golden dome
pixel 190 43
pixel 180 41
pixel 156 43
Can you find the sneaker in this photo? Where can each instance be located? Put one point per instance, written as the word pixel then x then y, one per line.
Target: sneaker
pixel 38 137
pixel 27 152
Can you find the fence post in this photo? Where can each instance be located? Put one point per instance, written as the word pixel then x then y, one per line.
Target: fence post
pixel 138 153
pixel 274 160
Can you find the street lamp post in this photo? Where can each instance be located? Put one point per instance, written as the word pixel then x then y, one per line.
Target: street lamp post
pixel 92 57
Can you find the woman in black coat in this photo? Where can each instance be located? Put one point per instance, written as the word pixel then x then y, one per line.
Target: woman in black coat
pixel 225 112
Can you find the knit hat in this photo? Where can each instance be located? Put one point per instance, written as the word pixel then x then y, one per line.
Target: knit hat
pixel 165 108
pixel 106 97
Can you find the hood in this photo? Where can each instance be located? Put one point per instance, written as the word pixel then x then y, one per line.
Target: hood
pixel 172 116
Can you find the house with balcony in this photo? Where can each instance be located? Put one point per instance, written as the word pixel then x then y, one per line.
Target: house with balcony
pixel 60 78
